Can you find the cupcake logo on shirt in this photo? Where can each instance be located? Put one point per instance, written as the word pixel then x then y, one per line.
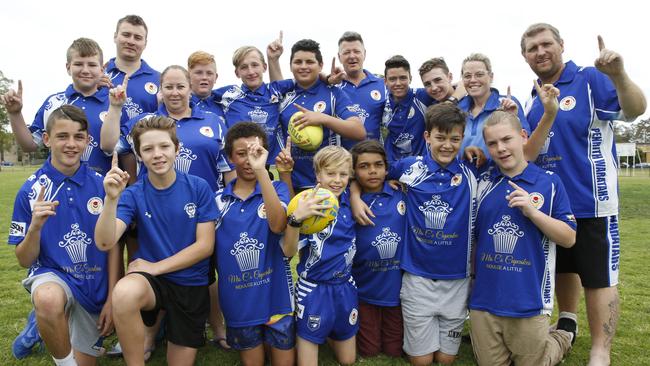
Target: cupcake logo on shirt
pixel 386 243
pixel 151 88
pixel 403 143
pixel 184 159
pixel 75 243
pixel 258 115
pixel 190 210
pixel 247 252
pixel 435 212
pixel 132 108
pixel 505 234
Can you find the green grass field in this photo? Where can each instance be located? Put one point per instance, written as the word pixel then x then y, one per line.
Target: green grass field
pixel 628 349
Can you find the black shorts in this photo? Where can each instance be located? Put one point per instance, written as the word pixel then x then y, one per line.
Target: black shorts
pixel 596 255
pixel 187 310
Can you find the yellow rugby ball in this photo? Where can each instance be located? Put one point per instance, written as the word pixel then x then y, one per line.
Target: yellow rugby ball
pixel 315 224
pixel 309 138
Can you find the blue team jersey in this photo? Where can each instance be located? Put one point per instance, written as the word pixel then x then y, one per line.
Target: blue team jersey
pixel 167 220
pixel 405 123
pixel 319 98
pixel 580 147
pixel 202 139
pixel 440 213
pixel 260 106
pixel 67 245
pixel 250 260
pixel 95 107
pixel 327 255
pixel 142 89
pixel 368 100
pixel 208 104
pixel 474 126
pixel 376 267
pixel 515 261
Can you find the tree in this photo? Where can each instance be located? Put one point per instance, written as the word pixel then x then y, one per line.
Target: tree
pixel 6 137
pixel 641 131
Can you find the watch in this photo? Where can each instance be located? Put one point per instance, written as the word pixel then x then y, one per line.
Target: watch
pixel 293 222
pixel 452 99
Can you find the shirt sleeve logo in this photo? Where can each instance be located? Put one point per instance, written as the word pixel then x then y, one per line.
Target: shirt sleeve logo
pixel 151 88
pixel 95 205
pixel 17 228
pixel 567 103
pixel 190 210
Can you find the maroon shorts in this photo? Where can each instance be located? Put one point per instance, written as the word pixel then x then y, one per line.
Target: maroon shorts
pixel 381 330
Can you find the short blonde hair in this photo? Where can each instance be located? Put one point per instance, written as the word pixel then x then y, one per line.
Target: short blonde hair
pixel 200 58
pixel 332 157
pixel 241 52
pixel 479 57
pixel 499 117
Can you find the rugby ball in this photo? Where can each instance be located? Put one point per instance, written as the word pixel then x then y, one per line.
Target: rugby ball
pixel 309 138
pixel 316 224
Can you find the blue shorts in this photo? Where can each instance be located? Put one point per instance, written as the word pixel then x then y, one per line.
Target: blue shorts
pixel 326 311
pixel 280 335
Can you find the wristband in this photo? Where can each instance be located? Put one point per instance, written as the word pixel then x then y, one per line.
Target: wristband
pixel 293 222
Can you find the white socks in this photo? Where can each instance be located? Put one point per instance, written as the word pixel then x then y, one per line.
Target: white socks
pixel 67 361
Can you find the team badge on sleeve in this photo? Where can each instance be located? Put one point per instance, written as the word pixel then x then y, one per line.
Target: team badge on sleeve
pixel 95 205
pixel 151 88
pixel 190 209
pixel 206 131
pixel 319 106
pixel 17 228
pixel 567 103
pixel 375 94
pixel 536 199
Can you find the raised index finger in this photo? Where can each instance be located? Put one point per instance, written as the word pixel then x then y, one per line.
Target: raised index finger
pixel 333 65
pixel 41 195
pixel 514 185
pixel 114 160
pixel 287 146
pixel 20 88
pixel 280 38
pixel 125 83
pixel 537 87
pixel 300 108
pixel 601 43
pixel 509 94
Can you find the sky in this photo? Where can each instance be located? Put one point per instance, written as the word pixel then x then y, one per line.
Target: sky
pixel 38 33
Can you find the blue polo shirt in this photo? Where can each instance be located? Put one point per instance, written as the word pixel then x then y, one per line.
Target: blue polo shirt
pixel 368 99
pixel 67 245
pixel 208 104
pixel 515 261
pixel 95 107
pixel 580 147
pixel 326 257
pixel 376 267
pixel 250 260
pixel 202 140
pixel 167 220
pixel 439 219
pixel 405 123
pixel 260 106
pixel 319 98
pixel 474 126
pixel 141 92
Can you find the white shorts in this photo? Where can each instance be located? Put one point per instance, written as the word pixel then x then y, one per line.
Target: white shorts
pixel 434 312
pixel 84 336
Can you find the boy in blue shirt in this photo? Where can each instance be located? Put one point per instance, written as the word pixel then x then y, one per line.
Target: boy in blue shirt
pixel 516 236
pixel 252 262
pixel 54 216
pixel 376 267
pixel 326 297
pixel 175 214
